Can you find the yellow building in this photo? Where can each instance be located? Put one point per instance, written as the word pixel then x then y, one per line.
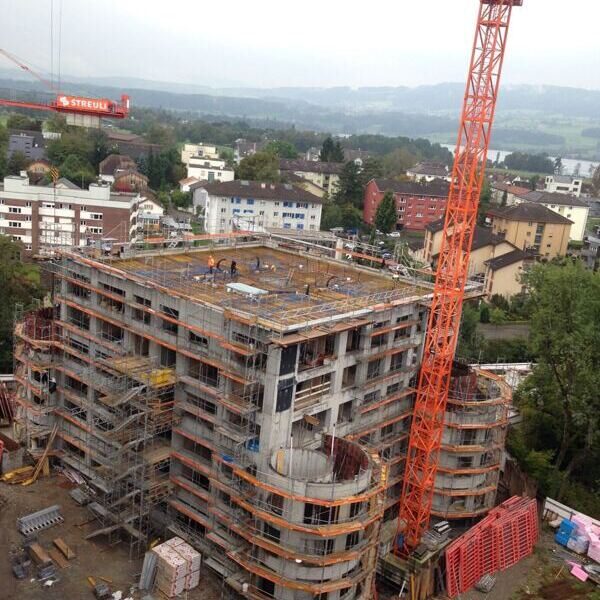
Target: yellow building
pixel 503 273
pixel 532 227
pixel 486 246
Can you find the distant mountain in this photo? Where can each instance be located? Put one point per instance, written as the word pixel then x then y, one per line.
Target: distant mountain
pixel 425 111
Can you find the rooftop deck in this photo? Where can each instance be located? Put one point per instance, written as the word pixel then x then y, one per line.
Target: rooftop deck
pixel 276 288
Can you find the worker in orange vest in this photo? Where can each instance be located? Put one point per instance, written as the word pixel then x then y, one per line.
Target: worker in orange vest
pixel 211 264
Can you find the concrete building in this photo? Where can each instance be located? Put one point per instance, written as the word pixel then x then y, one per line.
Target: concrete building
pixel 198 151
pixel 325 175
pixel 429 171
pixel 261 414
pixel 563 184
pixel 532 227
pixel 31 144
pixel 503 273
pixel 476 421
pixel 48 217
pixel 504 194
pixel 417 204
pixel 253 206
pixel 575 209
pixel 209 169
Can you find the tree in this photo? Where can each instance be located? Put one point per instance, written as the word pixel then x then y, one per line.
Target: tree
pixel 350 187
pixel 497 316
pixel 16 163
pixel 558 165
pixel 282 149
pixel 332 216
pixel 485 199
pixel 371 169
pixel 261 166
pixel 504 198
pixel 181 199
pixel 386 216
pixel 77 170
pixel 17 121
pixel 484 314
pixel 596 182
pixel 559 401
pixel 331 151
pixel 469 341
pixel 536 163
pixel 533 181
pixel 20 283
pixel 396 163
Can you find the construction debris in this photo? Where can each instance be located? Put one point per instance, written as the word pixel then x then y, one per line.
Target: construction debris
pixel 42 462
pixel 42 519
pixel 58 558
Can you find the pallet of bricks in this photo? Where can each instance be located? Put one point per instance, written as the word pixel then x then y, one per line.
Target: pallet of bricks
pixel 177 567
pixel 505 536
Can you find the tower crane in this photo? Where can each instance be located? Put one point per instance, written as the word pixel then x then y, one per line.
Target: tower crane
pixel 68 104
pixel 444 319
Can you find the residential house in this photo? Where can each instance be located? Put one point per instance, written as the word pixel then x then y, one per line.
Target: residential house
pixel 130 180
pixel 145 218
pixel 533 227
pixel 132 145
pixel 198 151
pixel 503 273
pixel 563 184
pixel 503 194
pixel 417 203
pixel 575 209
pixel 325 175
pixel 486 246
pixel 428 171
pixel 209 169
pixel 243 148
pixel 356 156
pixel 114 163
pixel 186 183
pixel 31 144
pixel 254 206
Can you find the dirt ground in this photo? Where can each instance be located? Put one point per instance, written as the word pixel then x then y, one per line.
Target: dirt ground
pixel 93 558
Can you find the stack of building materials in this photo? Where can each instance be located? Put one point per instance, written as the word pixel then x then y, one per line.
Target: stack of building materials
pixel 42 519
pixel 581 535
pixel 500 540
pixel 177 567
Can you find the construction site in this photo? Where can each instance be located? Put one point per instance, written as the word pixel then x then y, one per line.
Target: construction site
pixel 295 421
pixel 262 412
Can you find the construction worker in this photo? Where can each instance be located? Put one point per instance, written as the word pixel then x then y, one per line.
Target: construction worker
pixel 211 264
pixel 233 268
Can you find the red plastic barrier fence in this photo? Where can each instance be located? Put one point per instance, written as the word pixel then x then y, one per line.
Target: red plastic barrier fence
pixel 506 535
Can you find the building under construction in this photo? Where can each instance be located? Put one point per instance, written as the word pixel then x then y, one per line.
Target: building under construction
pixel 253 397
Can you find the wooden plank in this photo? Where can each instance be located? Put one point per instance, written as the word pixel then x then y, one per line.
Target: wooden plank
pixel 38 554
pixel 62 546
pixel 58 558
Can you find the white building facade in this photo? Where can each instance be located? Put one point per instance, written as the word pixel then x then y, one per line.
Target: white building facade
pixel 563 184
pixel 198 150
pixel 209 169
pixel 45 218
pixel 254 206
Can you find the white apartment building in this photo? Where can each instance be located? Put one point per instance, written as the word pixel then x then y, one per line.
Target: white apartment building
pixel 254 206
pixel 45 218
pixel 209 169
pixel 198 150
pixel 573 208
pixel 563 184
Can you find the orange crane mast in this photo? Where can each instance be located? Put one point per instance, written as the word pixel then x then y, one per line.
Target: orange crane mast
pixel 451 275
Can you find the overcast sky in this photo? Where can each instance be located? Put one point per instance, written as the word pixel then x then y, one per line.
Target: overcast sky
pixel 267 43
